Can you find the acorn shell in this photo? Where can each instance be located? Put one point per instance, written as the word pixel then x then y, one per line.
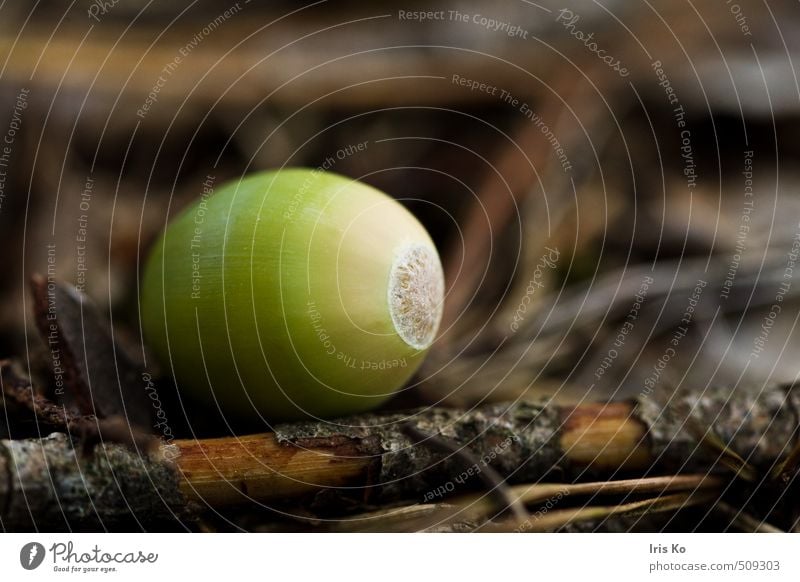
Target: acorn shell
pixel 292 294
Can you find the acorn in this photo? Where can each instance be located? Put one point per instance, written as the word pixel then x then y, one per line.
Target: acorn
pixel 292 294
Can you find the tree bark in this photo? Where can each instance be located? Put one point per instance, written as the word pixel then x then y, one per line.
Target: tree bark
pixel 48 483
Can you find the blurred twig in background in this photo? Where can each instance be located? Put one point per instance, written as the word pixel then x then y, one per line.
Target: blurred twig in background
pixel 606 236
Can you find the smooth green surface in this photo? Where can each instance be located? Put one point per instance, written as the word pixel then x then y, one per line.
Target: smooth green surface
pixel 269 298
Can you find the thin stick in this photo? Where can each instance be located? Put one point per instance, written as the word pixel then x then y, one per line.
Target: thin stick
pixel 562 517
pixel 470 511
pixel 745 521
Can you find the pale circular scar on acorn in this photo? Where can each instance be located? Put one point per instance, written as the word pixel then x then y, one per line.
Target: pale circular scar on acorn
pixel 416 293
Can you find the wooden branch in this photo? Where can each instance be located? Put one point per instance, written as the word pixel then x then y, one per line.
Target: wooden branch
pixel 231 470
pixel 47 481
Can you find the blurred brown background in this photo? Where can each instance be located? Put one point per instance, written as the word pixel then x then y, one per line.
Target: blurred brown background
pixel 619 135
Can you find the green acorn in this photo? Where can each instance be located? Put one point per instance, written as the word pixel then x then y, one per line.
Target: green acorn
pixel 292 294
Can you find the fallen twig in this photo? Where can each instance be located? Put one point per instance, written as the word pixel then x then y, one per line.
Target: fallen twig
pixel 45 479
